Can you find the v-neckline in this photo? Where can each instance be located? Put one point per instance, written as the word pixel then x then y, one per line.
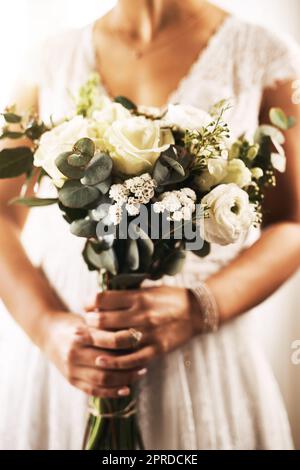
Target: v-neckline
pixel 196 64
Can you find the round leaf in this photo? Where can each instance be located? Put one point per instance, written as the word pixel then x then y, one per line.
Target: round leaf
pixel 99 170
pixel 78 159
pixel 62 163
pixel 85 146
pixel 15 162
pixel 76 196
pixel 84 228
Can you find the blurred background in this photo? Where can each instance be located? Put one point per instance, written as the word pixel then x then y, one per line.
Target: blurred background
pixel 26 22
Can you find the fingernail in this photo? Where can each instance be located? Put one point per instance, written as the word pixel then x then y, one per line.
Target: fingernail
pixel 142 372
pixel 124 392
pixel 101 361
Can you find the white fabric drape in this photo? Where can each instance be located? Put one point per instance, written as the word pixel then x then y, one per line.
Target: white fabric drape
pixel 33 19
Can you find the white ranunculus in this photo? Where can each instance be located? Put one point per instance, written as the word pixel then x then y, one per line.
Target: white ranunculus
pixel 216 171
pixel 187 117
pixel 60 139
pixel 136 143
pixel 229 214
pixel 238 173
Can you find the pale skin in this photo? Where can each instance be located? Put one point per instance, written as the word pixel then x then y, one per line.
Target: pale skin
pixel 90 353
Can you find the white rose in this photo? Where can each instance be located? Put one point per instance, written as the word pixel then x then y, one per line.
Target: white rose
pixel 229 214
pixel 109 113
pixel 187 117
pixel 238 173
pixel 216 171
pixel 58 140
pixel 136 143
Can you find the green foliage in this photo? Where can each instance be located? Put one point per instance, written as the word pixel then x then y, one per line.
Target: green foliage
pixel 70 171
pixel 84 228
pixel 99 169
pixel 12 118
pixel 279 119
pixel 106 259
pixel 77 196
pixel 90 96
pixel 126 103
pixel 172 167
pixel 15 162
pixel 34 201
pixel 85 147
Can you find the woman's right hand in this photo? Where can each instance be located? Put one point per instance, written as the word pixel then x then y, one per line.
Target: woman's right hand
pixel 70 345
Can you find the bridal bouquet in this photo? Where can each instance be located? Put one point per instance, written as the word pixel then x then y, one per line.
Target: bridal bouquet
pixel 142 186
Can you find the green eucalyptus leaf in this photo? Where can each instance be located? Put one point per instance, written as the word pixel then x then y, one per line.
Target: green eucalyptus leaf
pixel 12 118
pixel 62 163
pixel 104 187
pixel 292 121
pixel 132 257
pixel 15 162
pixel 34 201
pixel 11 135
pixel 76 196
pixel 84 228
pixel 99 170
pixel 35 130
pixel 279 119
pixel 72 214
pixel 85 146
pixel 126 103
pixel 105 260
pixel 79 160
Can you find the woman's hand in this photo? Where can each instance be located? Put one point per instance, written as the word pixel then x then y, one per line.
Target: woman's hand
pixel 161 318
pixel 73 347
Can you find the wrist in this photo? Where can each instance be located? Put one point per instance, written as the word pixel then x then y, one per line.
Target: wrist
pixel 205 313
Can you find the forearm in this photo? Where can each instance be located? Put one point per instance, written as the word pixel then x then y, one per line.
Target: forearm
pixel 24 290
pixel 258 272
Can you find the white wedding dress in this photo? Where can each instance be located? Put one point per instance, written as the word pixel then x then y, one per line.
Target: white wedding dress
pixel 217 392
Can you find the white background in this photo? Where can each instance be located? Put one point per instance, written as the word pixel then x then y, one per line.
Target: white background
pixel 23 22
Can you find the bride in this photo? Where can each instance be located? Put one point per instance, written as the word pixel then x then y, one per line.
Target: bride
pixel 198 391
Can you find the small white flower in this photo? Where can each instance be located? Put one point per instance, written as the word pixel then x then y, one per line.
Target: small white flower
pixel 180 204
pixel 119 193
pixel 115 213
pixel 257 173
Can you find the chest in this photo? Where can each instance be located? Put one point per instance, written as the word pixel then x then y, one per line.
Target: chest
pixel 151 78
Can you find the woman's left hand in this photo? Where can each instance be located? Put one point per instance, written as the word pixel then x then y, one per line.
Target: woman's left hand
pixel 141 325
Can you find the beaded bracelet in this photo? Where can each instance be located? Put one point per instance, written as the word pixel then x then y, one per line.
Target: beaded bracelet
pixel 208 308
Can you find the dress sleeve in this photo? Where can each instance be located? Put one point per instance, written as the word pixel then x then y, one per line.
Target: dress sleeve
pixel 278 57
